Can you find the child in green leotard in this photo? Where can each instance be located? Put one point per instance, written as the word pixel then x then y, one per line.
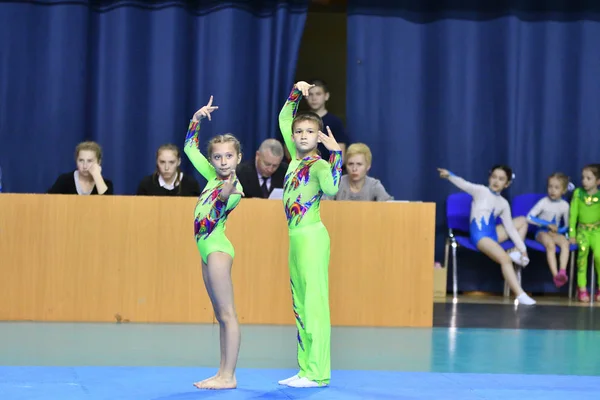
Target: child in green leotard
pixel 220 196
pixel 584 227
pixel 309 177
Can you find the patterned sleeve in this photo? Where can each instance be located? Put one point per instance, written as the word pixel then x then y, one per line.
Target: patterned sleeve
pixel 234 199
pixel 192 150
pixel 286 117
pixel 329 174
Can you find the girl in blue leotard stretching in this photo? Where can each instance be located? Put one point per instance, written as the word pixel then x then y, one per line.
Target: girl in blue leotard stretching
pixel 486 234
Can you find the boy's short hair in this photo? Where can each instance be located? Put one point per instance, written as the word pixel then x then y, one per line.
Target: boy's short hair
pixel 320 83
pixel 308 116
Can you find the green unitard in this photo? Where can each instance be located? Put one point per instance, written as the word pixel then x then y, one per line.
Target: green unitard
pixel 210 212
pixel 306 181
pixel 584 224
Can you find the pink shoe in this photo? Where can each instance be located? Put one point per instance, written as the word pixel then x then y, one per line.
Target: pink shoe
pixel 597 298
pixel 582 295
pixel 561 278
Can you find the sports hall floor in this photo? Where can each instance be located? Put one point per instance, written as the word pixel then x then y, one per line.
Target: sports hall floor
pixel 479 348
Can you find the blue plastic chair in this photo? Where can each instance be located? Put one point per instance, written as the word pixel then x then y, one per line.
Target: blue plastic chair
pixel 521 205
pixel 458 214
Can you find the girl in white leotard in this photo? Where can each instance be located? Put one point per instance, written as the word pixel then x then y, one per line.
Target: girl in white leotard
pixel 548 214
pixel 486 233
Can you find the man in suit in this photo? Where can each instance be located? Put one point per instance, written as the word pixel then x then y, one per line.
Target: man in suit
pixel 260 176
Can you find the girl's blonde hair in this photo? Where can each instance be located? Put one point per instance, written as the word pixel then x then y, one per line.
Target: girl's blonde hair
pixel 90 146
pixel 562 178
pixel 174 149
pixel 359 148
pixel 226 138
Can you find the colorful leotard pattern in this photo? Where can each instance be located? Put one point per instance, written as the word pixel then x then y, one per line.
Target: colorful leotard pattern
pixel 548 212
pixel 584 224
pixel 307 179
pixel 487 207
pixel 210 212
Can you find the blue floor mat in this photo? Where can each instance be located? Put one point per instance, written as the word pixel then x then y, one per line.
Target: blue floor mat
pixel 154 383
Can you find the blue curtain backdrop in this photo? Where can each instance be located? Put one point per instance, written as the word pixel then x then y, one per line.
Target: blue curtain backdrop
pixel 465 85
pixel 130 74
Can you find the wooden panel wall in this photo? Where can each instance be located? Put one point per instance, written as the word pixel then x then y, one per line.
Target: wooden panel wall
pixel 90 258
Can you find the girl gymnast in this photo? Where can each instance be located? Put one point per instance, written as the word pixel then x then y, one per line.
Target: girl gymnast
pixel 220 196
pixel 548 214
pixel 584 227
pixel 308 177
pixel 488 205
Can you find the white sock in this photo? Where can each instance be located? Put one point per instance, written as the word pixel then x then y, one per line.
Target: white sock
pixel 288 380
pixel 524 299
pixel 518 259
pixel 304 383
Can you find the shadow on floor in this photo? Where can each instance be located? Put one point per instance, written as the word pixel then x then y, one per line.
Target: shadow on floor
pixel 508 316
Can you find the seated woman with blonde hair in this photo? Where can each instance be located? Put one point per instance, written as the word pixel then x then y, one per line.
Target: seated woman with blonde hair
pixel 87 178
pixel 168 179
pixel 356 185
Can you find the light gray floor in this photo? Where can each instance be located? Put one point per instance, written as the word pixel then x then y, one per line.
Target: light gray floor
pixel 465 350
pixel 83 344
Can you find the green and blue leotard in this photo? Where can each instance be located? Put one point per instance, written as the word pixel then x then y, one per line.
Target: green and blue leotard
pixel 210 214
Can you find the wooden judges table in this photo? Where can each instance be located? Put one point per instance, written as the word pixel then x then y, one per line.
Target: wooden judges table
pixel 101 258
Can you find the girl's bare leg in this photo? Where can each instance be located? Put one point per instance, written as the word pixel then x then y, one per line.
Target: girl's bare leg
pixel 493 250
pixel 565 247
pixel 217 278
pixel 561 278
pixel 211 295
pixel 548 242
pixel 521 226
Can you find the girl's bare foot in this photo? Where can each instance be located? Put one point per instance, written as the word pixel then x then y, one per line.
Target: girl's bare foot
pixel 217 383
pixel 199 384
